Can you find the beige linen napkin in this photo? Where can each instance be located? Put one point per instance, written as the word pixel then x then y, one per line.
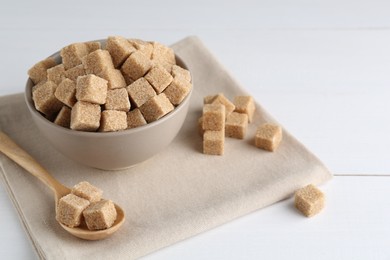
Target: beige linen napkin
pixel 172 196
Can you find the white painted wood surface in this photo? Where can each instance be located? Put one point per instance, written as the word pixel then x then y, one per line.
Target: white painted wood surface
pixel 320 67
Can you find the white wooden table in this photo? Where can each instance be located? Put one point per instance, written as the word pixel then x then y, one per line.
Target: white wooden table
pixel 322 68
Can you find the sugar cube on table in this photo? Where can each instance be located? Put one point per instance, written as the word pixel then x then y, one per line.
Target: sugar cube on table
pixel 213 142
pixel 245 104
pixel 268 137
pixel 221 99
pixel 309 200
pixel 236 125
pixel 214 117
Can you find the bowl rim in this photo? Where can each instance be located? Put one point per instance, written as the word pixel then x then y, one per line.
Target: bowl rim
pixel 31 107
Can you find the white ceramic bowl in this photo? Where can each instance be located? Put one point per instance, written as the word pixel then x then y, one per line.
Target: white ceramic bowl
pixel 111 150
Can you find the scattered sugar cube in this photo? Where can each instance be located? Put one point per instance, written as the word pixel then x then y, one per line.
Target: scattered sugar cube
pixel 114 77
pixel 268 137
pixel 179 72
pixel 156 107
pixel 44 98
pixel 66 92
pixel 92 89
pixel 63 117
pixel 113 120
pixel 97 61
pixel 140 91
pixel 87 191
pixel 159 78
pixel 309 200
pixel 85 116
pixel 162 53
pixel 213 142
pixel 70 209
pixel 73 54
pixel 135 119
pixel 38 72
pixel 75 72
pixel 221 99
pixel 236 125
pixel 100 215
pixel 120 49
pixel 146 48
pixel 136 65
pixel 245 104
pixel 117 99
pixel 56 73
pixel 214 117
pixel 178 90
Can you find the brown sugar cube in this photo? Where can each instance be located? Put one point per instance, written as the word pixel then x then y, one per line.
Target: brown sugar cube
pixel 179 72
pixel 135 119
pixel 73 54
pixel 63 117
pixel 268 137
pixel 178 90
pixel 117 99
pixel 200 126
pixel 97 61
pixel 214 117
pixel 92 89
pixel 66 92
pixel 208 99
pixel 56 73
pixel 245 104
pixel 100 215
pixel 162 53
pixel 159 78
pixel 93 46
pixel 44 99
pixel 213 142
pixel 87 191
pixel 136 65
pixel 309 200
pixel 146 48
pixel 128 80
pixel 38 72
pixel 70 209
pixel 113 120
pixel 140 91
pixel 85 116
pixel 156 107
pixel 236 125
pixel 114 77
pixel 75 72
pixel 120 49
pixel 221 99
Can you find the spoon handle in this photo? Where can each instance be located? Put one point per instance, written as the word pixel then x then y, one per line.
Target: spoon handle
pixel 21 157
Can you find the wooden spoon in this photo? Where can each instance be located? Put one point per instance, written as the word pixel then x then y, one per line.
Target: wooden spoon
pixel 21 157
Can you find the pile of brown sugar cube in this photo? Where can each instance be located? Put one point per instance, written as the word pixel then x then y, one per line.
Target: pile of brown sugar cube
pixel 221 118
pixel 85 203
pixel 125 84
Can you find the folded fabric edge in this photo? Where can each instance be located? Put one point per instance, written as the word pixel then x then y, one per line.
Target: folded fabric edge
pixel 21 217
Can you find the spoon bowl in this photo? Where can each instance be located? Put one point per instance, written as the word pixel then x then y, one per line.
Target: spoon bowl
pixel 21 157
